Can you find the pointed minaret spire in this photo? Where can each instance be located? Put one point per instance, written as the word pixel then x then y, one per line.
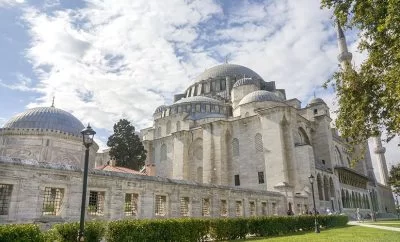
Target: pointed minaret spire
pixel 379 151
pixel 52 103
pixel 344 56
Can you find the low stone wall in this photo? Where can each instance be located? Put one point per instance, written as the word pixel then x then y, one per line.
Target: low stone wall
pixel 43 192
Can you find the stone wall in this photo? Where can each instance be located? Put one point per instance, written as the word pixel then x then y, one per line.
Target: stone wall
pixel 31 180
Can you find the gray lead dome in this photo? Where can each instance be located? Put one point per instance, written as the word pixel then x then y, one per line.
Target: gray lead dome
pixel 50 118
pixel 225 70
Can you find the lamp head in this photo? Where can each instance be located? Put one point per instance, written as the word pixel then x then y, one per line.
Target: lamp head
pixel 311 179
pixel 87 135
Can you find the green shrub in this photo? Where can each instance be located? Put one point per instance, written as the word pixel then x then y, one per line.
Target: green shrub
pixel 67 232
pixel 229 229
pixel 20 233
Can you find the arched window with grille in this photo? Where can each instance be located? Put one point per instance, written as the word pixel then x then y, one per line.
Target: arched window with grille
pixel 258 142
pixel 163 152
pixel 168 127
pixel 235 148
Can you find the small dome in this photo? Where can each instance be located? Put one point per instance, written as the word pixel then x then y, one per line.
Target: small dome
pixel 160 109
pixel 245 81
pixel 260 96
pixel 198 99
pixel 225 70
pixel 317 101
pixel 46 118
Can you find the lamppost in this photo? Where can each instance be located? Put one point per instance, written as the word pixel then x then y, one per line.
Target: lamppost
pixel 312 180
pixel 87 135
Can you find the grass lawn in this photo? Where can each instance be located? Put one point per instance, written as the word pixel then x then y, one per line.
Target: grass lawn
pixel 347 234
pixel 389 223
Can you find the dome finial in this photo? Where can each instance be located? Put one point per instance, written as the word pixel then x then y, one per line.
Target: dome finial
pixel 52 103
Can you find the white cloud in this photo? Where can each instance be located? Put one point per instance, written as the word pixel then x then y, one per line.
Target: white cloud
pixel 114 59
pixel 10 3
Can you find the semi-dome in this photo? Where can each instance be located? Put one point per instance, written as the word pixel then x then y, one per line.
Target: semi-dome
pixel 198 99
pixel 160 109
pixel 50 118
pixel 245 81
pixel 317 100
pixel 226 69
pixel 260 96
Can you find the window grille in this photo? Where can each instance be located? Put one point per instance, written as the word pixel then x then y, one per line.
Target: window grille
pixel 206 207
pixel 5 198
pixel 252 205
pixel 264 208
pixel 168 127
pixel 258 142
pixel 161 205
pixel 131 204
pixel 274 208
pixel 185 206
pixel 96 203
pixel 53 198
pixel 239 208
pixel 235 147
pixel 224 208
pixel 237 180
pixel 260 177
pixel 163 152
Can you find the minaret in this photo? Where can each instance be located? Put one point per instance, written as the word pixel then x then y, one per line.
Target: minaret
pixel 344 56
pixel 379 151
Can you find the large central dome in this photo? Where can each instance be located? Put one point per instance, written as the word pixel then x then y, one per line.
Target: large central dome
pixel 50 118
pixel 226 69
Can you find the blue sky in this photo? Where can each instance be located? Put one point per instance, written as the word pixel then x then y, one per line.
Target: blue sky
pixel 106 60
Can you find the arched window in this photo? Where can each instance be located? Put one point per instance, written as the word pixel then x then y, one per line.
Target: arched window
pixel 326 189
pixel 235 148
pixel 163 152
pixel 158 132
pixel 258 142
pixel 178 126
pixel 168 127
pixel 320 190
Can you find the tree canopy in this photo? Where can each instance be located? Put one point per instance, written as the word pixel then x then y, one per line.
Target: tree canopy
pixel 394 178
pixel 369 96
pixel 126 148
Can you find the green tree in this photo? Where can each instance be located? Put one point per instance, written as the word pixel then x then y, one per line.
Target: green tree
pixel 394 179
pixel 369 97
pixel 126 147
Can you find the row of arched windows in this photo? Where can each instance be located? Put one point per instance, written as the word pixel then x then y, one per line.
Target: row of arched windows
pixel 355 200
pixel 258 144
pixel 326 188
pixel 168 128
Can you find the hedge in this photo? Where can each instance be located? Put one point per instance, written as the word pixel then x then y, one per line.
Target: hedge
pixel 20 233
pixel 217 229
pixel 66 232
pixel 190 229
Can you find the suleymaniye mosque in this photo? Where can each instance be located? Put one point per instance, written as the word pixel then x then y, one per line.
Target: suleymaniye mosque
pixel 232 144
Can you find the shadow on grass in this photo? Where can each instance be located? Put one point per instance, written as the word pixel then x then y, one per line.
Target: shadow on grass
pixel 293 234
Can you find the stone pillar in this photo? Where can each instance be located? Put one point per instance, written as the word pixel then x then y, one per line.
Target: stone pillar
pixel 208 153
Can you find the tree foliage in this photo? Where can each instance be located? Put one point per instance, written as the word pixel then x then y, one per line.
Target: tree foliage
pixel 126 148
pixel 394 178
pixel 369 97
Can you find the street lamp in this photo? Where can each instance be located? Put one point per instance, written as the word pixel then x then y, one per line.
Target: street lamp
pixel 87 135
pixel 312 180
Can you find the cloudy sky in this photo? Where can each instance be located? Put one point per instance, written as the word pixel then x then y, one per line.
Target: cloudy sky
pixel 106 60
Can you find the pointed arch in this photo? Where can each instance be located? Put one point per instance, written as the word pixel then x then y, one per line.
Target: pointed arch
pixel 304 140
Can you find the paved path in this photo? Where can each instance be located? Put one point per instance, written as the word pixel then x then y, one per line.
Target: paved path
pixel 374 226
